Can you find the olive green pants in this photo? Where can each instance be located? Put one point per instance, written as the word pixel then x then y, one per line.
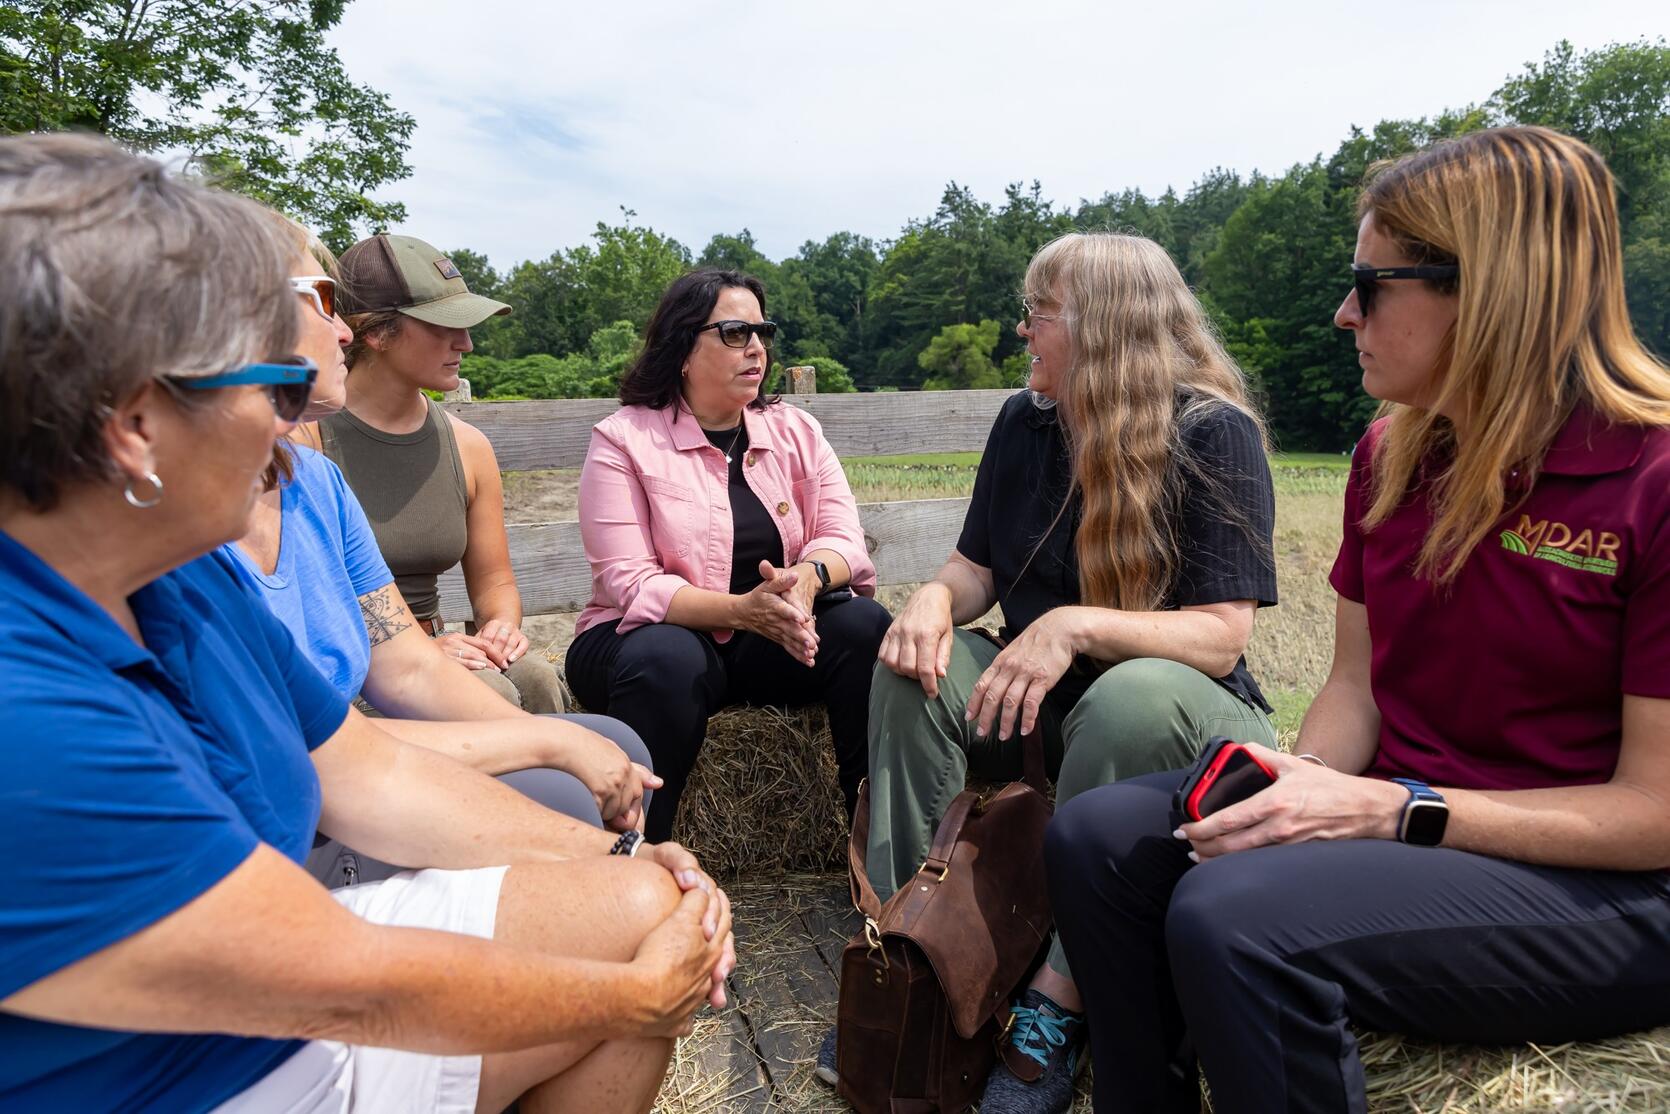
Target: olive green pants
pixel 1140 717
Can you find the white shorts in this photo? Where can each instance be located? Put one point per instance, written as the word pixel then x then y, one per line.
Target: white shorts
pixel 328 1077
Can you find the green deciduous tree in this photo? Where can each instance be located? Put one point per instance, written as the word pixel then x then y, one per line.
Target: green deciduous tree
pixel 594 373
pixel 833 376
pixel 561 301
pixel 962 265
pixel 960 358
pixel 248 94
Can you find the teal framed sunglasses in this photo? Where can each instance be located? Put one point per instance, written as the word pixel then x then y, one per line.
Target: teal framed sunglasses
pixel 288 379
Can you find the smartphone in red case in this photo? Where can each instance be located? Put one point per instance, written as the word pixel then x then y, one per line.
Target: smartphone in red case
pixel 1226 772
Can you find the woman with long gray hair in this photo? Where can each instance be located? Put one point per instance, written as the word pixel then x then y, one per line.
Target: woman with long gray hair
pixel 1121 518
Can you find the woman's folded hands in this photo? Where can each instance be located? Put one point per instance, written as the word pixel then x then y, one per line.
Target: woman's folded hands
pixel 772 610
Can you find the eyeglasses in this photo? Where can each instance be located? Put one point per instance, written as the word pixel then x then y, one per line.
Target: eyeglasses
pixel 1365 279
pixel 1029 315
pixel 288 379
pixel 320 289
pixel 735 334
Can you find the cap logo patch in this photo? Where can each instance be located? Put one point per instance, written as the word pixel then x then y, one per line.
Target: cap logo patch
pixel 448 271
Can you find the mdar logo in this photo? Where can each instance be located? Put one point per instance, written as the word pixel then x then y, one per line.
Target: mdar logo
pixel 1547 540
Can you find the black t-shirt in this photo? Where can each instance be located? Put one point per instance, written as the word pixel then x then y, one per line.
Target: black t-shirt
pixel 1024 476
pixel 755 536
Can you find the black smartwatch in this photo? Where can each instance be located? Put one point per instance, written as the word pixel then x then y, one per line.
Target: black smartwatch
pixel 1425 815
pixel 823 574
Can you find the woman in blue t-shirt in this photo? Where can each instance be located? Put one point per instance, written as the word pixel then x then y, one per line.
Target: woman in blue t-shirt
pixel 169 753
pixel 313 556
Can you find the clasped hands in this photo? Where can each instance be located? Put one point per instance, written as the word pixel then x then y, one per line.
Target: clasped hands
pixel 780 608
pixel 704 966
pixel 497 645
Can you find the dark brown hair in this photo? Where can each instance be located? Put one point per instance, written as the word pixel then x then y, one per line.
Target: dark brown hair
pixel 655 377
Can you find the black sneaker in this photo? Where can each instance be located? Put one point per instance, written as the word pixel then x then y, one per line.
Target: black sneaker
pixel 1041 1056
pixel 826 1060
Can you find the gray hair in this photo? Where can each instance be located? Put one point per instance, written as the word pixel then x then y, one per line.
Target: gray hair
pixel 113 273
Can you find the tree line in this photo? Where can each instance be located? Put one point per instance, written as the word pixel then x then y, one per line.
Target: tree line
pixel 257 101
pixel 935 306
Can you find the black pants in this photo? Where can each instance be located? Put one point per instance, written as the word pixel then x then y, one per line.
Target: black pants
pixel 664 681
pixel 1260 957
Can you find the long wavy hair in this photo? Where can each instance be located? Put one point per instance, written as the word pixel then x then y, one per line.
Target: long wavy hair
pixel 1541 323
pixel 1145 363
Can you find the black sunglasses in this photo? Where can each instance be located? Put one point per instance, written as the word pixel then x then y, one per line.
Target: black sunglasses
pixel 287 379
pixel 735 334
pixel 1364 279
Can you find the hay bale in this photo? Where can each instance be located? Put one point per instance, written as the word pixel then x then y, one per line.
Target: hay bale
pixel 765 795
pixel 1630 1073
pixel 1623 1074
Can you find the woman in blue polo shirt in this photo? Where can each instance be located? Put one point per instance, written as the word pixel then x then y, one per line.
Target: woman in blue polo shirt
pixel 313 557
pixel 169 752
pixel 1475 844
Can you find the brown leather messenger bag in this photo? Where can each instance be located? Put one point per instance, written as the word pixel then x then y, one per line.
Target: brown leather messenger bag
pixel 924 984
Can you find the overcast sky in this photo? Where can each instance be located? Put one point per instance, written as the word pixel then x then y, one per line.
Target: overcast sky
pixel 795 120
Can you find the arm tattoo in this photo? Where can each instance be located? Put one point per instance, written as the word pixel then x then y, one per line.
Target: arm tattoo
pixel 382 615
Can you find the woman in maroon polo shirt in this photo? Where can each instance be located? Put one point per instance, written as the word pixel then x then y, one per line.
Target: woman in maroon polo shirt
pixel 1478 848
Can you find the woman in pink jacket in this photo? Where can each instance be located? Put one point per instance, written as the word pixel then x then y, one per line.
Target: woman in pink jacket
pixel 727 561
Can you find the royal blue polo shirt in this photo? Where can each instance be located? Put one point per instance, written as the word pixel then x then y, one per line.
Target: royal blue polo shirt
pixel 1513 676
pixel 132 780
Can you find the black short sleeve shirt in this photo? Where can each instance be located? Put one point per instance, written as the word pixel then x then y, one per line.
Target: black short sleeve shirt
pixel 1224 510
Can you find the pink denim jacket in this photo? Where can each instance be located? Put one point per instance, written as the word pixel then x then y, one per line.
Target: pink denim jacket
pixel 655 508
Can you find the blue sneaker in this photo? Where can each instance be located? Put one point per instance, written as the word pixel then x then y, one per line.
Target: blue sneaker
pixel 826 1060
pixel 1040 1058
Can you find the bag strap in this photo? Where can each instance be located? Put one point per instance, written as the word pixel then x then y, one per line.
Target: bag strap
pixel 950 830
pixel 864 897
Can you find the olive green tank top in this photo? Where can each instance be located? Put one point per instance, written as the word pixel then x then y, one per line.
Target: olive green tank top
pixel 412 488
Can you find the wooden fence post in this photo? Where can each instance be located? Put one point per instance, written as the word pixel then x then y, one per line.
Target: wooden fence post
pixel 803 380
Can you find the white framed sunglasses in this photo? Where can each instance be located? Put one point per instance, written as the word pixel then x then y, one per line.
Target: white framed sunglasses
pixel 320 290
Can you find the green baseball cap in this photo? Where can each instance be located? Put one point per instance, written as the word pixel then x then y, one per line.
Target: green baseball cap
pixel 403 273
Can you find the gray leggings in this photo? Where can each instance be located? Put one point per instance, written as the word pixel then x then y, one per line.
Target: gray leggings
pixel 336 865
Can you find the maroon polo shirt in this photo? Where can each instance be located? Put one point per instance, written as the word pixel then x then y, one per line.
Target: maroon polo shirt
pixel 1513 677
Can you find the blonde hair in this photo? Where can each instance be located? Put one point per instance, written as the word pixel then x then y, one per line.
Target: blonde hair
pixel 1145 362
pixel 1541 323
pixel 303 241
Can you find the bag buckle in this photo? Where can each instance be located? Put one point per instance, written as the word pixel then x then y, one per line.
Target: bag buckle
pixel 872 937
pixel 943 869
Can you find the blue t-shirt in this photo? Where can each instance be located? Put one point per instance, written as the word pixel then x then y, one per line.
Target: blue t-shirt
pixel 327 560
pixel 132 780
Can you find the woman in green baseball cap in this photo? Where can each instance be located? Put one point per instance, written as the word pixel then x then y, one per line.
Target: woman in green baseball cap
pixel 428 481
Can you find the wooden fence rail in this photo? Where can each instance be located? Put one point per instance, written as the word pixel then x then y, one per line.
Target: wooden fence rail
pixel 908 540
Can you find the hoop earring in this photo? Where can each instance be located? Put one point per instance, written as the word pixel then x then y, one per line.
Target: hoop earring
pixel 144 504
